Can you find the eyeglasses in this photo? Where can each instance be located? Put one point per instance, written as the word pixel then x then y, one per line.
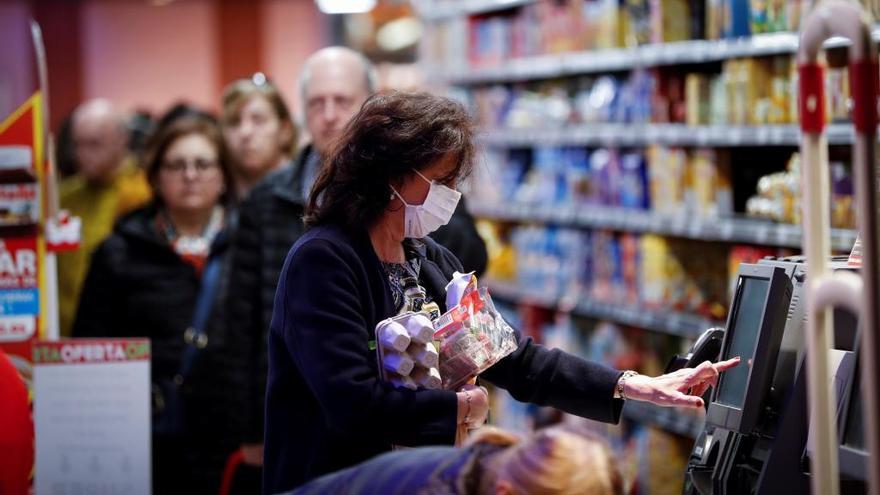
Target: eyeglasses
pixel 200 165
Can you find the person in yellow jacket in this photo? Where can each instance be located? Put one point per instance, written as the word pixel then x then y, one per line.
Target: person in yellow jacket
pixel 107 185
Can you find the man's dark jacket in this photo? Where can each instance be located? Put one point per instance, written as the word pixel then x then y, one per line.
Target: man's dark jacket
pixel 270 221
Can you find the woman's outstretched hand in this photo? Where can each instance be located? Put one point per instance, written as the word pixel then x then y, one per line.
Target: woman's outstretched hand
pixel 682 388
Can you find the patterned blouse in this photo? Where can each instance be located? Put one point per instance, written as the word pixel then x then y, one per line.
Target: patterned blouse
pixel 403 278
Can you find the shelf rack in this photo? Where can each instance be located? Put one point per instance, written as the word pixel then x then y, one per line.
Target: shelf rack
pixel 437 10
pixel 669 322
pixel 663 134
pixel 626 59
pixel 687 226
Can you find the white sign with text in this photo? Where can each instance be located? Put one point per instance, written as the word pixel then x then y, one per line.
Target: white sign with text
pixel 92 417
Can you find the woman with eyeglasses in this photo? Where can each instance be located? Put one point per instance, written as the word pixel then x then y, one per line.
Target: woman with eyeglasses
pixel 162 265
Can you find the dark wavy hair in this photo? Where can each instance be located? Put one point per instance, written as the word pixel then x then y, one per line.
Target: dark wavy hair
pixel 177 128
pixel 393 134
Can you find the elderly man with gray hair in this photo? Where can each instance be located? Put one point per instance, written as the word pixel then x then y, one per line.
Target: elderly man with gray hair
pixel 107 185
pixel 333 84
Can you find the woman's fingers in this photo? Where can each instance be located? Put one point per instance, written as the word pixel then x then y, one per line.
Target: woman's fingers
pixel 726 365
pixel 703 373
pixel 681 400
pixel 685 387
pixel 699 390
pixel 706 375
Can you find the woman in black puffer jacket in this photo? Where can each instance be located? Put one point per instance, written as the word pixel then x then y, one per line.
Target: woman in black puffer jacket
pixel 144 282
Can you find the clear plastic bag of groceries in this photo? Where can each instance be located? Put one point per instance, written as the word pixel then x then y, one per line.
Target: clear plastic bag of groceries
pixel 472 335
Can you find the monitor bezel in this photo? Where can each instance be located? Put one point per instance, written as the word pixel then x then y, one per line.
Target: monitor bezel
pixel 744 419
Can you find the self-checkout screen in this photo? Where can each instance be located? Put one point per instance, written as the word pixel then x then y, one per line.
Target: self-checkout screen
pixel 744 334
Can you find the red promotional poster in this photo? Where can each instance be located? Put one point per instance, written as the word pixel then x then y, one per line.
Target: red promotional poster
pixel 25 284
pixel 19 204
pixel 22 250
pixel 19 298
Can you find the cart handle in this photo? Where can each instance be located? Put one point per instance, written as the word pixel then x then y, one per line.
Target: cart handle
pixel 828 19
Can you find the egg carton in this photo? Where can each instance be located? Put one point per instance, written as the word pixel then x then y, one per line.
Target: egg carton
pixel 406 353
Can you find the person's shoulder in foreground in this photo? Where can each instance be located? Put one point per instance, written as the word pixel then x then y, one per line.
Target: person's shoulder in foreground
pixel 554 461
pixel 401 472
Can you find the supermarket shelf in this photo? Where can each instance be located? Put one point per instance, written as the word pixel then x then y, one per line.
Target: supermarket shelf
pixel 665 418
pixel 433 10
pixel 622 59
pixel 737 230
pixel 673 323
pixel 666 134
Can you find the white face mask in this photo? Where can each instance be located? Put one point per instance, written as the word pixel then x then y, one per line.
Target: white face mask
pixel 435 212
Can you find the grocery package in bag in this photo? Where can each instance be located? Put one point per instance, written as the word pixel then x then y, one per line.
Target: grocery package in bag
pixel 414 352
pixel 472 335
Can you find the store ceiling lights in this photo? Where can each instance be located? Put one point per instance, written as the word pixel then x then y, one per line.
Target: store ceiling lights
pixel 345 6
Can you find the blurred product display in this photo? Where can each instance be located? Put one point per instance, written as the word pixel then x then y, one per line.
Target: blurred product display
pixel 779 196
pixel 671 181
pixel 498 32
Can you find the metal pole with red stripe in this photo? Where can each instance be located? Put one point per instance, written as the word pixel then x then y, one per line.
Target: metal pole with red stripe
pixel 845 19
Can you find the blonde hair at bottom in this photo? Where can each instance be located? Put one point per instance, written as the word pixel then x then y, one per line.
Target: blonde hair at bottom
pixel 559 461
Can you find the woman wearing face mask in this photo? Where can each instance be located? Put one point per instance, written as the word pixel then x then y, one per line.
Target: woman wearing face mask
pixel 148 279
pixel 389 183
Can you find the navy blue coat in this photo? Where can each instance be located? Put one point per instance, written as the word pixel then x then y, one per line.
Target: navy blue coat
pixel 425 470
pixel 326 408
